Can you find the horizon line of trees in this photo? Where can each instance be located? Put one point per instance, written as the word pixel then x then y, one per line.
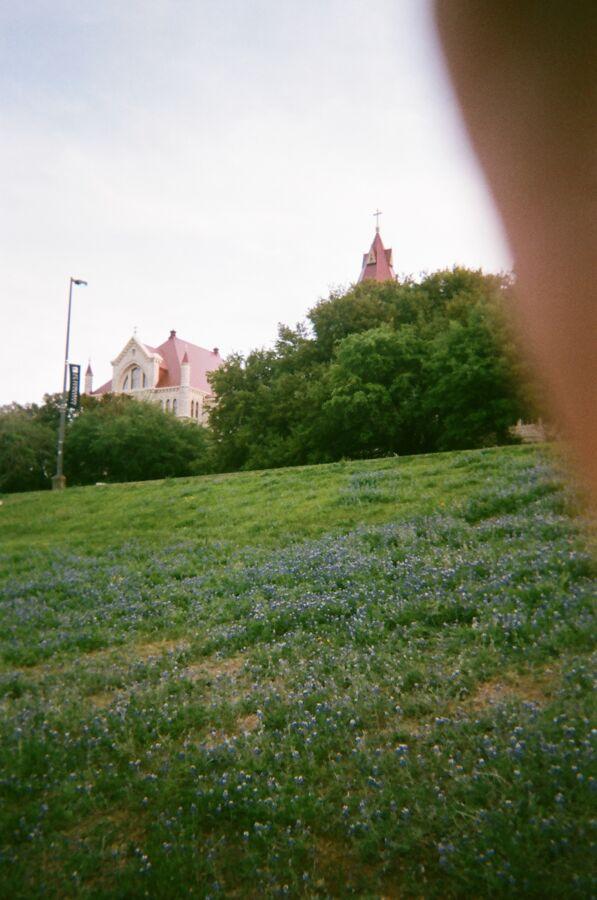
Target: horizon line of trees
pixel 382 368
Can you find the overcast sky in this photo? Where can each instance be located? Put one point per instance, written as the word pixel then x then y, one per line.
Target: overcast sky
pixel 212 166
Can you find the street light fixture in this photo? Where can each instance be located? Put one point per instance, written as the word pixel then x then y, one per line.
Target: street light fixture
pixel 59 481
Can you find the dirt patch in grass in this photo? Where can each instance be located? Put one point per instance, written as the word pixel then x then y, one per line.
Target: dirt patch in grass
pixel 117 830
pixel 157 648
pixel 211 668
pixel 133 653
pixel 121 825
pixel 247 723
pixel 336 867
pixel 530 687
pixel 38 670
pixel 101 699
pixel 243 725
pixel 139 651
pixel 207 670
pixel 536 686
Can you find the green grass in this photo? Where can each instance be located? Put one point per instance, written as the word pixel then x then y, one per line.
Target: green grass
pixel 366 678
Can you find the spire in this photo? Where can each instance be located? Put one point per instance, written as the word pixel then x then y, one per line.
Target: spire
pixel 89 379
pixel 185 378
pixel 377 264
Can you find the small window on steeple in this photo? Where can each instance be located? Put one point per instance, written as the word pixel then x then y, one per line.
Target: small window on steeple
pixel 371 258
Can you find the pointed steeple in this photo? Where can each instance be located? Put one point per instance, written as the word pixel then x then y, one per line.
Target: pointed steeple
pixel 89 379
pixel 185 378
pixel 377 264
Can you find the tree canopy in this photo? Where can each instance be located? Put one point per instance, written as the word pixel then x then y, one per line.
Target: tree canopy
pixel 112 439
pixel 118 439
pixel 387 368
pixel 382 368
pixel 27 449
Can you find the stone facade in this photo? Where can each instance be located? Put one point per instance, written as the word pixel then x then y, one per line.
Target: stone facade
pixel 173 375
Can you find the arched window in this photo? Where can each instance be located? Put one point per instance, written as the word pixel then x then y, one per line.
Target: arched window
pixel 135 378
pixel 125 386
pixel 167 406
pixel 144 380
pixel 174 405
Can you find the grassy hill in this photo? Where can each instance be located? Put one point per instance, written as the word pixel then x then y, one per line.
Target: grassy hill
pixel 366 678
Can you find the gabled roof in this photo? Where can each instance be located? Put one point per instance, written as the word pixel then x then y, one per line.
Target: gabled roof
pixel 172 354
pixel 104 388
pixel 377 264
pixel 134 342
pixel 201 362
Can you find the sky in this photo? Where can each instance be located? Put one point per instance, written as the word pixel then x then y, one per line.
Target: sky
pixel 213 166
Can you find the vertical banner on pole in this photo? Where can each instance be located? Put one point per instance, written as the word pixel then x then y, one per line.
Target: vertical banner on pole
pixel 74 394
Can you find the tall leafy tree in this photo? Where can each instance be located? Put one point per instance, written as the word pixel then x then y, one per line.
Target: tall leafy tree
pixel 119 439
pixel 473 392
pixel 27 449
pixel 391 367
pixel 267 405
pixel 375 390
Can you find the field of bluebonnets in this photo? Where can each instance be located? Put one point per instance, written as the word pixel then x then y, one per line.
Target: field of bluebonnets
pixel 367 678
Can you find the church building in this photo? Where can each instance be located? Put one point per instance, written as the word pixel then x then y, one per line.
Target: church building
pixel 173 375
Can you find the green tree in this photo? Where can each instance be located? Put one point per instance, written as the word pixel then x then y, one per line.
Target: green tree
pixel 375 389
pixel 473 392
pixel 27 449
pixel 394 367
pixel 119 439
pixel 267 406
pixel 361 308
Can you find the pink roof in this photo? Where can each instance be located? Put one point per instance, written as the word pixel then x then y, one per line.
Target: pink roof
pixel 104 389
pixel 377 264
pixel 201 361
pixel 174 353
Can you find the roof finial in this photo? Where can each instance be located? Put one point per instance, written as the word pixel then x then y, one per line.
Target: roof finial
pixel 377 214
pixel 135 331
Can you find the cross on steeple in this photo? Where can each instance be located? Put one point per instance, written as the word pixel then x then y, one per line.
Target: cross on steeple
pixel 377 214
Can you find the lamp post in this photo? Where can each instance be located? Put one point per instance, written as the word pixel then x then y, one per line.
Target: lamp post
pixel 59 481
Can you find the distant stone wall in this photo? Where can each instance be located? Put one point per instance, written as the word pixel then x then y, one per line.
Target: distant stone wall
pixel 191 403
pixel 530 432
